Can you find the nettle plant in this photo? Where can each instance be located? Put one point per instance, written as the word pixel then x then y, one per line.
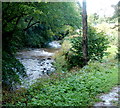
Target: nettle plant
pixel 97 46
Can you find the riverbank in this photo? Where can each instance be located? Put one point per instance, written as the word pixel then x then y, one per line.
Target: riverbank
pixel 78 88
pixel 81 87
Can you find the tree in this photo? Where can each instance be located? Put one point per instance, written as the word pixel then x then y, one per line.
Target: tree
pixel 116 10
pixel 84 41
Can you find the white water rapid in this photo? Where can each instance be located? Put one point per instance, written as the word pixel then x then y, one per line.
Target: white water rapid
pixel 37 61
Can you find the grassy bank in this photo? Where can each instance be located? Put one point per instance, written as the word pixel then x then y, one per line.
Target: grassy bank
pixel 78 87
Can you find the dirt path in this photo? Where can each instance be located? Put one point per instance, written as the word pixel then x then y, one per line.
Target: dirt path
pixel 110 99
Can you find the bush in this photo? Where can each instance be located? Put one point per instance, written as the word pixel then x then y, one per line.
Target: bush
pixel 60 63
pixel 12 71
pixel 97 45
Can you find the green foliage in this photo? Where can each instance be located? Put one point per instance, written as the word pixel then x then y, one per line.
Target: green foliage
pixel 37 36
pixel 37 19
pixel 97 45
pixel 110 30
pixel 12 71
pixel 94 19
pixel 76 89
pixel 60 65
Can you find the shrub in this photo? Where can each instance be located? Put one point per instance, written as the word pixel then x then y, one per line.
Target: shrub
pixel 60 63
pixel 97 45
pixel 12 71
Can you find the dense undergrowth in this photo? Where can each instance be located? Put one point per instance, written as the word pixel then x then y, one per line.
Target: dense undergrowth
pixel 76 88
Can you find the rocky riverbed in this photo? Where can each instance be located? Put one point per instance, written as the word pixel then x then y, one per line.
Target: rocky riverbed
pixel 38 61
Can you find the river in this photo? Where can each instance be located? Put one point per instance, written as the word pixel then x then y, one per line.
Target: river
pixel 37 62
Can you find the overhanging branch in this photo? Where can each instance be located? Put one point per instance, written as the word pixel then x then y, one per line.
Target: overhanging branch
pixel 31 25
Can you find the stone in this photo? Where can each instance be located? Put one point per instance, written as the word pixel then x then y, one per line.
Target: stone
pixel 49 58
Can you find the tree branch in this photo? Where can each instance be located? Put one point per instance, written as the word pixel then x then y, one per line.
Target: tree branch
pixel 31 25
pixel 29 22
pixel 10 19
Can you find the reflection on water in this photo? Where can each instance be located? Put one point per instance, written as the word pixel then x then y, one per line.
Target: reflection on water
pixel 38 61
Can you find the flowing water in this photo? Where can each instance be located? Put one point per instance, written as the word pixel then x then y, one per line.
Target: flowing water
pixel 38 61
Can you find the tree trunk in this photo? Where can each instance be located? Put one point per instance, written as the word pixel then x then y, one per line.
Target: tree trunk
pixel 84 41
